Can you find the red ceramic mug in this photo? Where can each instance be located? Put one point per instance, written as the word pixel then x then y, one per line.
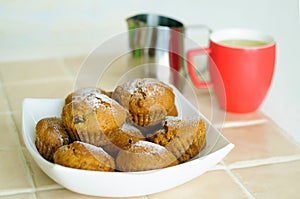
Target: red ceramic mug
pixel 241 65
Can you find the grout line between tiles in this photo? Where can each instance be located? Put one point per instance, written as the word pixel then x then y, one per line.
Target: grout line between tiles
pixel 27 169
pixel 15 129
pixel 34 195
pixel 28 172
pixel 242 123
pixel 32 190
pixel 3 94
pixel 15 192
pixel 217 167
pixel 49 188
pixel 283 132
pixel 238 182
pixel 265 161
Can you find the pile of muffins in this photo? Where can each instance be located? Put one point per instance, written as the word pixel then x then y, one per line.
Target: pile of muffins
pixel 134 128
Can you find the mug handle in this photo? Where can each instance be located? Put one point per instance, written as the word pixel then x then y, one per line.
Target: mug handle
pixel 191 69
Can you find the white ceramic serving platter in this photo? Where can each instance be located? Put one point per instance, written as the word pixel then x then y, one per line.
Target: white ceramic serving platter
pixel 122 184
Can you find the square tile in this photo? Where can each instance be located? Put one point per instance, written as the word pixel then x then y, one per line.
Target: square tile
pixel 258 142
pixel 272 181
pixel 45 89
pixel 31 70
pixel 19 196
pixel 213 184
pixel 40 179
pixel 66 194
pixel 104 72
pixel 8 135
pixel 244 119
pixel 13 174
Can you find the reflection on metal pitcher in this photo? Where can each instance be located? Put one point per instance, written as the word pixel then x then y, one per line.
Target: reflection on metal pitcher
pixel 158 41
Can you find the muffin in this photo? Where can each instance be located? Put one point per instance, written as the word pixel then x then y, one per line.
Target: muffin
pixel 83 92
pixel 81 155
pixel 146 130
pixel 89 117
pixel 143 156
pixel 183 137
pixel 50 135
pixel 121 139
pixel 148 100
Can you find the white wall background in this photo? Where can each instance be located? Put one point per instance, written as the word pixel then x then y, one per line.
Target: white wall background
pixel 39 29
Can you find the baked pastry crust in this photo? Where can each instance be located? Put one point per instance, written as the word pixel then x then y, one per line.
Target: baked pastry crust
pixel 82 155
pixel 144 155
pixel 89 117
pixel 122 138
pixel 148 100
pixel 183 137
pixel 106 139
pixel 50 135
pixel 84 92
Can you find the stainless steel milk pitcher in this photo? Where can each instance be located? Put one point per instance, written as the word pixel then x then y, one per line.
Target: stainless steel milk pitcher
pixel 156 43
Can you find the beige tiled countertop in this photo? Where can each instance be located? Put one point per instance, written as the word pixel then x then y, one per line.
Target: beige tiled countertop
pixel 265 163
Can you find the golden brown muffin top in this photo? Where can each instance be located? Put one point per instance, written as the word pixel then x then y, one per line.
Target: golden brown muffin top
pixel 185 128
pixel 147 100
pixel 106 112
pixel 124 136
pixel 82 93
pixel 183 137
pixel 51 130
pixel 144 155
pixel 50 135
pixel 84 156
pixel 146 89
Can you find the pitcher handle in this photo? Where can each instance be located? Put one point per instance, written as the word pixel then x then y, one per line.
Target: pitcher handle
pixel 191 69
